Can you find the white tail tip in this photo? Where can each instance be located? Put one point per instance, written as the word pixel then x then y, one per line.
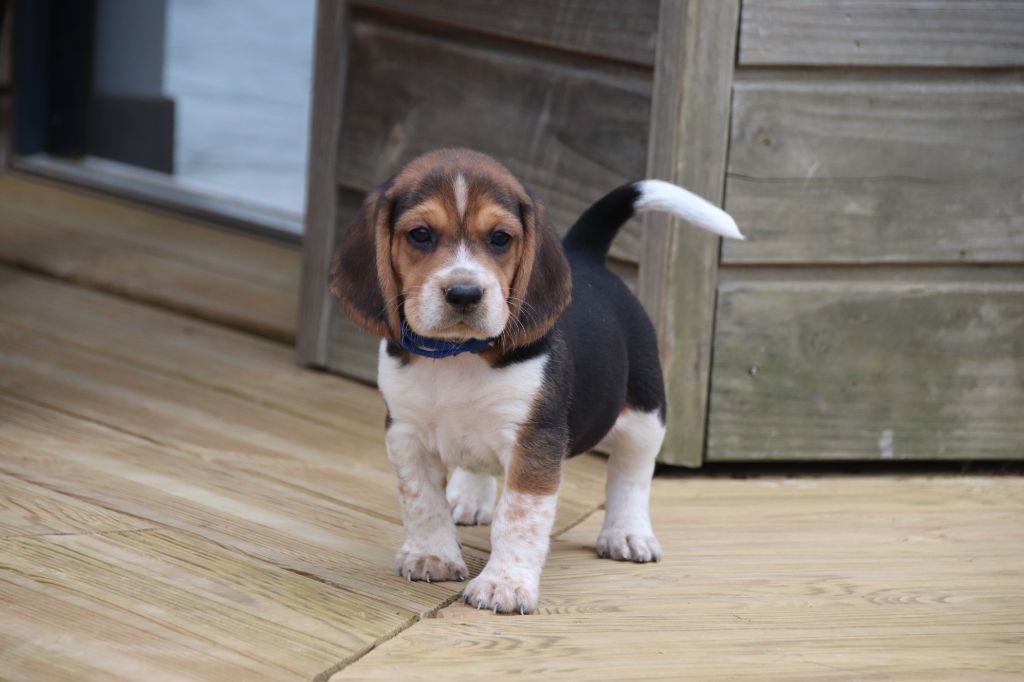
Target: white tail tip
pixel 658 195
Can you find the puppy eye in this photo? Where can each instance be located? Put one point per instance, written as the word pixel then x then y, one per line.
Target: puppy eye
pixel 500 238
pixel 421 235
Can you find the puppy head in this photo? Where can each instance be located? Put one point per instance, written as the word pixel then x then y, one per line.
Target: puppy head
pixel 456 247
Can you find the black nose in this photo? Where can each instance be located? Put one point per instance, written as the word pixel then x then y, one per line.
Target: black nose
pixel 463 297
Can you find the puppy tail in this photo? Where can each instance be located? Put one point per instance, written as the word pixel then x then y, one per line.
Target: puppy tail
pixel 596 228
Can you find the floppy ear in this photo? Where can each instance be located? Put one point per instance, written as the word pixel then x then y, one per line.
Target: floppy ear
pixel 362 277
pixel 543 283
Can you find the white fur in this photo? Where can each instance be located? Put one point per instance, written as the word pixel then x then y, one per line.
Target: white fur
pixel 510 582
pixel 431 548
pixel 430 315
pixel 634 443
pixel 461 195
pixel 461 412
pixel 461 408
pixel 471 497
pixel 658 195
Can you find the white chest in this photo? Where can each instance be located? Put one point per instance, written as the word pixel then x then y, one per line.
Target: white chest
pixel 461 408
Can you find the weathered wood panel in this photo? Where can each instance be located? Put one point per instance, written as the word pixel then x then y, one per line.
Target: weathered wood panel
pixel 570 133
pixel 689 141
pixel 867 169
pixel 861 369
pixel 330 62
pixel 602 28
pixel 883 32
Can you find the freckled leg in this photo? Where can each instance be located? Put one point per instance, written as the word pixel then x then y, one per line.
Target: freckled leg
pixel 627 534
pixel 520 536
pixel 431 549
pixel 471 497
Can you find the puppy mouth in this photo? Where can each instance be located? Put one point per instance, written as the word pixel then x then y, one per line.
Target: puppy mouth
pixel 457 330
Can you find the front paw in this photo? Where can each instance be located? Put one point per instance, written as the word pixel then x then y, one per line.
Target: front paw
pixel 503 592
pixel 429 567
pixel 471 497
pixel 624 545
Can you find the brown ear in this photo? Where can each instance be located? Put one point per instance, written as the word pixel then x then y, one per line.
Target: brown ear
pixel 543 283
pixel 362 277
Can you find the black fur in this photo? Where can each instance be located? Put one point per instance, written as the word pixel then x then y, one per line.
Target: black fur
pixel 604 347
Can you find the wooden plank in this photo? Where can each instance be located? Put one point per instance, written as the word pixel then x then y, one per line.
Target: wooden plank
pixel 891 169
pixel 330 62
pixel 224 504
pixel 219 394
pixel 286 626
pixel 868 369
pixel 570 133
pixel 688 145
pixel 599 28
pixel 187 350
pixel 27 509
pixel 203 422
pixel 766 578
pixel 226 277
pixel 949 33
pixel 57 636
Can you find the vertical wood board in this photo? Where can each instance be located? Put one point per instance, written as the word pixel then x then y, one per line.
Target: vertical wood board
pixel 678 265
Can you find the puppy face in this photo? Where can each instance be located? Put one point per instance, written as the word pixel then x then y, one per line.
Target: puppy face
pixel 455 254
pixel 455 248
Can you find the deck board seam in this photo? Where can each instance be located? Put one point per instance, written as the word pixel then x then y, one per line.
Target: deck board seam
pixel 202 538
pixel 325 675
pixel 119 531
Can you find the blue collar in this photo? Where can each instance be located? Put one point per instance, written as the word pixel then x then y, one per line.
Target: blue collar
pixel 439 348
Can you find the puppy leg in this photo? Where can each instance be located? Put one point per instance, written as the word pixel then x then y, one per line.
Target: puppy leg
pixel 634 442
pixel 520 536
pixel 471 497
pixel 431 549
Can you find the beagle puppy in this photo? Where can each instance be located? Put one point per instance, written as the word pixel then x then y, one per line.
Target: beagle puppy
pixel 503 353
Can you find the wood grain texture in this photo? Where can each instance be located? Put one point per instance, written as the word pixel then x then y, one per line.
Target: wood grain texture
pixel 240 281
pixel 769 578
pixel 868 369
pixel 27 510
pixel 570 133
pixel 678 266
pixel 271 621
pixel 184 383
pixel 178 500
pixel 188 351
pixel 936 33
pixel 862 168
pixel 602 28
pixel 330 64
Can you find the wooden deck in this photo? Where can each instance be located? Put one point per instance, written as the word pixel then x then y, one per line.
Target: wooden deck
pixel 179 501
